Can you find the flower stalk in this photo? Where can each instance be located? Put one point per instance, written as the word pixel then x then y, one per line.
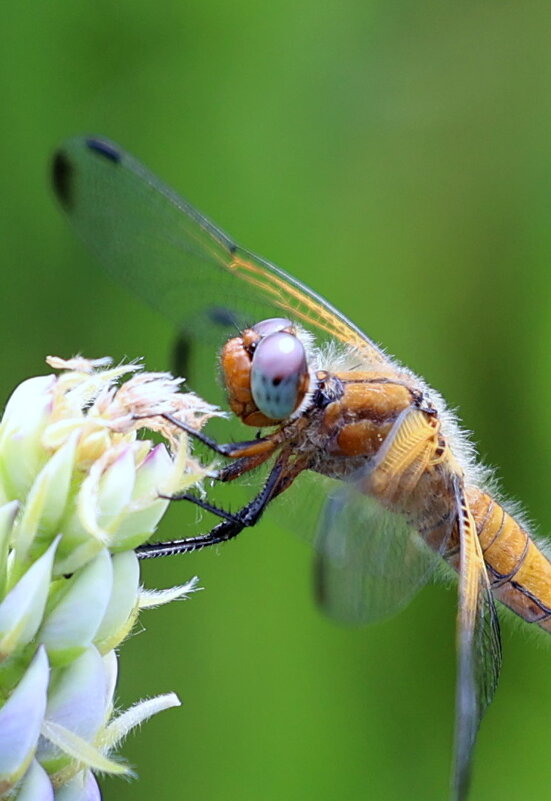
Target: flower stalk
pixel 79 490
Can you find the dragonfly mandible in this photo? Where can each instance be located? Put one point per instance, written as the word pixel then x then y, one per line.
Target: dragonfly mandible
pixel 404 486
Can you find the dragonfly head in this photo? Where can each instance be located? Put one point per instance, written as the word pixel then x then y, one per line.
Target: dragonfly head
pixel 265 371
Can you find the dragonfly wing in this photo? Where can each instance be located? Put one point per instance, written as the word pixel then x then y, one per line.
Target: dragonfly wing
pixel 478 646
pixel 369 562
pixel 172 256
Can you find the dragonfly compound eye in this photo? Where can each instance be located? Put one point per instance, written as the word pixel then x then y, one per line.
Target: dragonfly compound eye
pixel 271 325
pixel 279 375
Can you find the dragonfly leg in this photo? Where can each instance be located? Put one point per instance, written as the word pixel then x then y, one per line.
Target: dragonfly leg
pixel 202 503
pixel 281 477
pixel 242 465
pixel 231 525
pixel 253 447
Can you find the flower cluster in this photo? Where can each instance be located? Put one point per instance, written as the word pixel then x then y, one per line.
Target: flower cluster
pixel 79 490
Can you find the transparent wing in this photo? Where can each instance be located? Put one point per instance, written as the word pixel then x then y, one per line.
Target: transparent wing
pixel 157 244
pixel 478 647
pixel 369 562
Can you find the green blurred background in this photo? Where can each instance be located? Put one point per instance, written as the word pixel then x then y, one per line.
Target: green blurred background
pixel 397 157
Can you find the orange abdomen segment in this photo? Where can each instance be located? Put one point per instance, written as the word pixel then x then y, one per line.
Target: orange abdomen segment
pixel 519 572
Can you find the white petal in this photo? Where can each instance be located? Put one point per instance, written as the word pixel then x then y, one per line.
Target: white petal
pixel 22 609
pixel 71 625
pixel 7 516
pixel 123 600
pixel 116 486
pixel 76 701
pixel 21 718
pixel 45 503
pixel 138 525
pixel 36 785
pixel 25 417
pixel 152 473
pixel 111 666
pixel 105 494
pixel 82 787
pixel 26 405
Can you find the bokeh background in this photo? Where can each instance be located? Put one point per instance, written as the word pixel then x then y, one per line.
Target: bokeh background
pixel 397 157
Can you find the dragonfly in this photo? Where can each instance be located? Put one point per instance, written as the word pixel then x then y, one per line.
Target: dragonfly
pixel 402 491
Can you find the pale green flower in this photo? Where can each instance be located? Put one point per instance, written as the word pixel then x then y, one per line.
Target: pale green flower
pixel 78 492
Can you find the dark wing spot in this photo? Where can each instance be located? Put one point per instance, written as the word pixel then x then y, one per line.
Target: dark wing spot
pixel 62 179
pixel 224 317
pixel 104 148
pixel 181 354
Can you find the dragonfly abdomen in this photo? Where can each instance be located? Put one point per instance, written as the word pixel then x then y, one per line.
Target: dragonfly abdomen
pixel 519 571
